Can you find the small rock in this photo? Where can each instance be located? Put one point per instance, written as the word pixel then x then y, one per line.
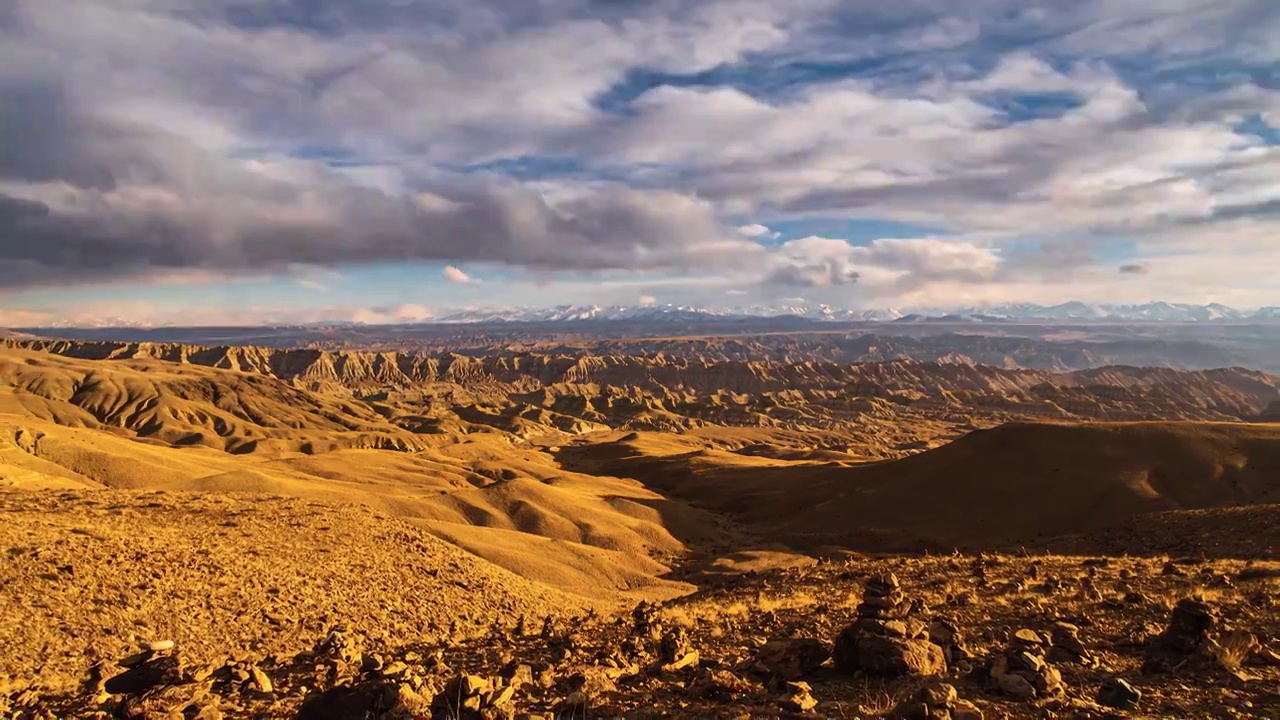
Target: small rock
pixel 674 645
pixel 687 660
pixel 260 681
pixel 1118 693
pixel 1015 685
pixel 798 697
pixel 1028 637
pixel 792 659
pixel 517 674
pixel 157 646
pixel 394 669
pixel 941 695
pixel 575 705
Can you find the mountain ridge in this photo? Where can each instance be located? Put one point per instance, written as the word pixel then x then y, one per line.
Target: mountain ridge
pixel 1068 312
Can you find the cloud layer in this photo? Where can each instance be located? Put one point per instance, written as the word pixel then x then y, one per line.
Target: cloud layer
pixel 1105 144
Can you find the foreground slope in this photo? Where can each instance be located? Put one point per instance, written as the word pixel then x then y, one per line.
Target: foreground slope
pixel 89 574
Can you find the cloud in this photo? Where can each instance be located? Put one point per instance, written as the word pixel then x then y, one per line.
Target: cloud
pixel 648 300
pixel 311 284
pixel 758 231
pixel 1133 269
pixel 454 275
pixel 408 313
pixel 142 141
pixel 883 266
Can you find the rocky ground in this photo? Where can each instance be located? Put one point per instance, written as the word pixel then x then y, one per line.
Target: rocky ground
pixel 924 637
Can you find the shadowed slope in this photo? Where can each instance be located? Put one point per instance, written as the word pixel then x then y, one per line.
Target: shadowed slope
pixel 1016 482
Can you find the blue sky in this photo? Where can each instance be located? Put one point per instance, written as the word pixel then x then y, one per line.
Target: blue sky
pixel 169 161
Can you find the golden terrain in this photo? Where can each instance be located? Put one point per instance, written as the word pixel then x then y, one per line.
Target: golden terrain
pixel 350 534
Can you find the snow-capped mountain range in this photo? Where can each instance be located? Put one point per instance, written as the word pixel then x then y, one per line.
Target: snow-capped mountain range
pixel 1023 312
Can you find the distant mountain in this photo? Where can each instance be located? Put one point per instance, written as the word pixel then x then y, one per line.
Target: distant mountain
pixel 1075 311
pixel 1069 312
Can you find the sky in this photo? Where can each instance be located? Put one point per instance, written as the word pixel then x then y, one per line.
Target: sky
pixel 264 161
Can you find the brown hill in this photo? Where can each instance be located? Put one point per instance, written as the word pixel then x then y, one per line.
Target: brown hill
pixel 1018 482
pixel 531 395
pixel 144 424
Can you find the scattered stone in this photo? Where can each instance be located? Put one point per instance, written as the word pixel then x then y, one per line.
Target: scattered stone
pixel 1016 686
pixel 575 705
pixel 367 700
pixel 936 702
pixel 880 642
pixel 791 659
pixel 1119 694
pixel 798 697
pixel 645 621
pixel 1188 635
pixel 688 660
pixel 517 674
pixel 463 696
pixel 158 646
pixel 944 633
pixel 1027 638
pixel 143 676
pixel 259 680
pixel 674 645
pixel 1134 597
pixel 1067 647
pixel 1022 670
pixel 1267 656
pixel 720 686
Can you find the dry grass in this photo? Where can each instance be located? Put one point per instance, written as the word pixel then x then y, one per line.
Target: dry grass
pixel 876 700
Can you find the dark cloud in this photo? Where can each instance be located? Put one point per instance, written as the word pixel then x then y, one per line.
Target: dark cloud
pixel 1133 269
pixel 612 229
pixel 111 199
pixel 40 140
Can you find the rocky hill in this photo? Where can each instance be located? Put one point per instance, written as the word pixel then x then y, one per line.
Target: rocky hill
pixel 665 384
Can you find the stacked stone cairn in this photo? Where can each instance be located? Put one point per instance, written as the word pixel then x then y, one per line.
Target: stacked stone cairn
pixel 886 639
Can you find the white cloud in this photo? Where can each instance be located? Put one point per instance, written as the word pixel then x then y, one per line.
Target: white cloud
pixel 311 284
pixel 455 275
pixel 758 231
pixel 407 313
